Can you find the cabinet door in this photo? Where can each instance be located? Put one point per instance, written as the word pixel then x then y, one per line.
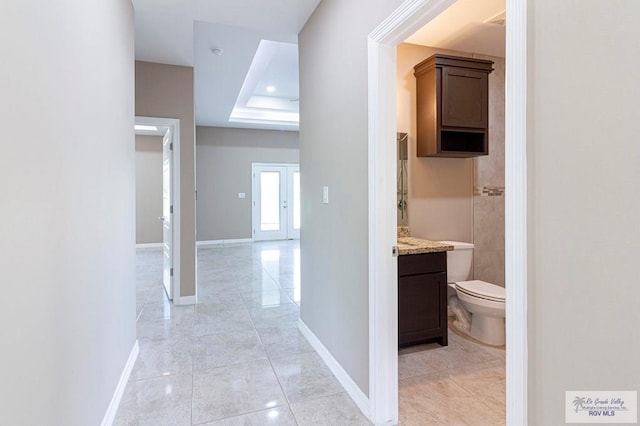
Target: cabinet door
pixel 420 304
pixel 464 98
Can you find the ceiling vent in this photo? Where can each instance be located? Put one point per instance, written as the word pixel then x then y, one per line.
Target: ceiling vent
pixel 499 19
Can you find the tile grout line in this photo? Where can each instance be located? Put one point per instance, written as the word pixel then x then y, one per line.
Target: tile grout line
pixel 238 415
pixel 148 304
pixel 271 364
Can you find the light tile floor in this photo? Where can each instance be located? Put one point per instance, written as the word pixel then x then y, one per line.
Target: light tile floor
pixel 237 358
pixel 460 384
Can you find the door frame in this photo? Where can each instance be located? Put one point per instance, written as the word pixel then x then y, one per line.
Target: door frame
pixel 290 204
pixel 174 124
pixel 383 289
pixel 254 214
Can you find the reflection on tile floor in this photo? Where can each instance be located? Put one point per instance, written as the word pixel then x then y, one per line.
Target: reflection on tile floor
pixel 237 358
pixel 460 384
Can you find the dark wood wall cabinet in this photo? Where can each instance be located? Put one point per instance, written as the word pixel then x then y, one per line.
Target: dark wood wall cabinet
pixel 452 106
pixel 422 298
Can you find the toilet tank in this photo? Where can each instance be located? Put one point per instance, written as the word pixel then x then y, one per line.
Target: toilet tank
pixel 459 261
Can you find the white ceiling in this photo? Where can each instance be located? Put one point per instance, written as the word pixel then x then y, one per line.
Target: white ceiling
pixel 461 27
pixel 183 32
pixel 269 95
pixel 219 79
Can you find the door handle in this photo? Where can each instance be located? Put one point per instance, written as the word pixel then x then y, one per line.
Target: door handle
pixel 161 218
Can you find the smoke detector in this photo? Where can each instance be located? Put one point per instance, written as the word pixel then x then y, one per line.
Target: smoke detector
pixel 499 19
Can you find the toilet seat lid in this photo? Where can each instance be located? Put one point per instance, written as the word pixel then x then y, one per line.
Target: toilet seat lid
pixel 482 289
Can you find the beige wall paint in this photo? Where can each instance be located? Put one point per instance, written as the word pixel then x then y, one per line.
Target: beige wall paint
pixel 148 189
pixel 223 164
pixel 167 91
pixel 67 233
pixel 583 169
pixel 333 153
pixel 441 203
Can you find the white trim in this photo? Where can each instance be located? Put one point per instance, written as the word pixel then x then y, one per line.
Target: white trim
pixel 112 409
pixel 223 242
pixel 516 214
pixel 275 164
pixel 383 298
pixel 343 377
pixel 407 19
pixel 185 300
pixel 383 358
pixel 145 246
pixel 174 124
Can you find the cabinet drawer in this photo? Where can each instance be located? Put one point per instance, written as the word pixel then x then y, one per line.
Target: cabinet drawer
pixel 413 264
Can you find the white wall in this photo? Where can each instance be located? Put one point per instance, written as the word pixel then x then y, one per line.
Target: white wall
pixel 67 223
pixel 223 165
pixel 148 189
pixel 333 152
pixel 583 173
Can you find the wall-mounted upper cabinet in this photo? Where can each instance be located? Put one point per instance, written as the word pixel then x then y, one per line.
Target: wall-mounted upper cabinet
pixel 452 106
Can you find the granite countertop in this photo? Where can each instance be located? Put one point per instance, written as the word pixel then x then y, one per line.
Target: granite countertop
pixel 411 245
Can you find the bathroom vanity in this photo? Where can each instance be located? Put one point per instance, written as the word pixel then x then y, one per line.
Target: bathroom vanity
pixel 422 291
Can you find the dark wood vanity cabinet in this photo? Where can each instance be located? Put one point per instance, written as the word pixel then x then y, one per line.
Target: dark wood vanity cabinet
pixel 422 298
pixel 452 106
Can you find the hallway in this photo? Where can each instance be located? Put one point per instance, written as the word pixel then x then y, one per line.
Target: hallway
pixel 235 358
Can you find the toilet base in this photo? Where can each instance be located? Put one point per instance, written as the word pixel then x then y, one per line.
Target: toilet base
pixel 487 329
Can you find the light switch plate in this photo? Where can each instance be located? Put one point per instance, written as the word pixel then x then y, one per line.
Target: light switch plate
pixel 325 195
pixel 242 195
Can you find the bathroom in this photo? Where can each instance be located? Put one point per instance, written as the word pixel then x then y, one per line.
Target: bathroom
pixel 455 200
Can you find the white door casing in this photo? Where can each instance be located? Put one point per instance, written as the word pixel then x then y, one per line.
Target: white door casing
pixel 174 126
pixel 383 357
pixel 293 202
pixel 167 213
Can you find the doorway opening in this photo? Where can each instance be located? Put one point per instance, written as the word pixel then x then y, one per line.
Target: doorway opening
pixel 275 207
pixel 167 130
pixel 383 269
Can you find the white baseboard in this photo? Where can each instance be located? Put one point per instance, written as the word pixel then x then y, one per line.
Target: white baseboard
pixel 185 300
pixel 222 242
pixel 110 415
pixel 149 246
pixel 343 377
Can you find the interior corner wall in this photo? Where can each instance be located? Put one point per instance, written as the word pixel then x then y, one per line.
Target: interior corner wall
pixel 223 164
pixel 148 189
pixel 583 158
pixel 67 234
pixel 166 91
pixel 334 153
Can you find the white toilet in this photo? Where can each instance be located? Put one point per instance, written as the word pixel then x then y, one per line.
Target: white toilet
pixel 482 312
